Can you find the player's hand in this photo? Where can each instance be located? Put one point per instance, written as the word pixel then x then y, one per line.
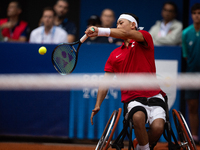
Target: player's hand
pixel 94 112
pixel 91 31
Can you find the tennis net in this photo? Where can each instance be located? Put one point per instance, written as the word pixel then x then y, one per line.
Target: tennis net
pixel 79 81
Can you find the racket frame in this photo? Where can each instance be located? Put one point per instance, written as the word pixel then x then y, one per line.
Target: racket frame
pixel 75 50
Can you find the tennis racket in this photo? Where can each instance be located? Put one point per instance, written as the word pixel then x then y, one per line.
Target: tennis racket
pixel 64 57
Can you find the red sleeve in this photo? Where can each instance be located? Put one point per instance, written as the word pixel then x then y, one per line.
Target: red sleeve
pixel 108 66
pixel 147 38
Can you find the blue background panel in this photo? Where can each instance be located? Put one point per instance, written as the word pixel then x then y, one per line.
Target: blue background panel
pixel 34 113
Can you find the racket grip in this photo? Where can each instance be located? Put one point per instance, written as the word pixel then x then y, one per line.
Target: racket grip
pixel 83 38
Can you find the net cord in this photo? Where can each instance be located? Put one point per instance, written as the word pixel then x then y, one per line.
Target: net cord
pixel 80 81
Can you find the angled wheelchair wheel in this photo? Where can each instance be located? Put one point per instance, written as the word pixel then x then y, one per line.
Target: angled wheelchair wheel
pixel 184 134
pixel 104 141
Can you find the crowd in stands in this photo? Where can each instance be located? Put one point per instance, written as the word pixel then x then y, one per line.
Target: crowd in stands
pixel 167 31
pixel 53 24
pixel 48 32
pixel 55 28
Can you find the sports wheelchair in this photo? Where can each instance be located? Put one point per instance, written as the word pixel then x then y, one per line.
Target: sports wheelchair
pixel 184 141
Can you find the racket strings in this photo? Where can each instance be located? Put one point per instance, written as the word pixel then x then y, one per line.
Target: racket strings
pixel 64 58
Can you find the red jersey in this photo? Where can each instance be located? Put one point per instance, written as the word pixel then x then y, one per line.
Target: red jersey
pixel 136 58
pixel 19 29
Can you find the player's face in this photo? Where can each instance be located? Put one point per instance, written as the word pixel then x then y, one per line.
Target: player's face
pixel 196 16
pixel 61 8
pixel 107 18
pixel 13 10
pixel 48 18
pixel 168 13
pixel 124 24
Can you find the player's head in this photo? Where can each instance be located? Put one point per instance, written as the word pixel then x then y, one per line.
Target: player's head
pixel 61 8
pixel 169 11
pixel 14 9
pixel 107 18
pixel 48 17
pixel 94 20
pixel 128 21
pixel 195 10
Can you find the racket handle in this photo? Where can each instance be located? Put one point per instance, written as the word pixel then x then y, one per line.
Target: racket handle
pixel 83 38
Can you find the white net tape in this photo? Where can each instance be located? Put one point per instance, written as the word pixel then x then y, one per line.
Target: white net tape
pixel 79 81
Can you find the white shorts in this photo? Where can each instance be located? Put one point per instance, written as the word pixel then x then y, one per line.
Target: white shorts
pixel 153 112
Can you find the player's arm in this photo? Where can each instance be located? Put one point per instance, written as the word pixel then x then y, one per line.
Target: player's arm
pixel 102 92
pixel 122 34
pixel 117 33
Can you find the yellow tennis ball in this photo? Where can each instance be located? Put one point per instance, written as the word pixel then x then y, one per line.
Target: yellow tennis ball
pixel 42 50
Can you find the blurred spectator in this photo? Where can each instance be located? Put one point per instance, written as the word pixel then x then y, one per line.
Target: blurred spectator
pixel 48 33
pixel 107 21
pixel 107 18
pixel 191 52
pixel 14 29
pixel 168 31
pixel 94 20
pixel 61 8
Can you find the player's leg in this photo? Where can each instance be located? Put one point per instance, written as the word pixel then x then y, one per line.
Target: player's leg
pixel 139 115
pixel 156 130
pixel 157 118
pixel 139 128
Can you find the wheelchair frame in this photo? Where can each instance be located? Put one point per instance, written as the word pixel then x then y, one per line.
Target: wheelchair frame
pixel 186 141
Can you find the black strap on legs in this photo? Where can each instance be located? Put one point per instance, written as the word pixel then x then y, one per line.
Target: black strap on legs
pixel 157 102
pixel 135 109
pixel 154 101
pixel 139 99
